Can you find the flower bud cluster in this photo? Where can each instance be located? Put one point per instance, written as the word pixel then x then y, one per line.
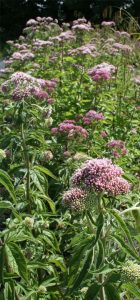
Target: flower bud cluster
pixel 75 199
pixel 130 272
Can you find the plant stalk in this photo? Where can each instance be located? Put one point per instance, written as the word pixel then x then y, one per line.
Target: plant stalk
pixel 27 163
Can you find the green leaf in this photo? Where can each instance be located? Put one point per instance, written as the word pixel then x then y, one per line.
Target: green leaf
pixel 100 256
pixel 100 223
pixel 125 247
pixel 19 259
pixel 50 202
pixel 6 182
pixel 58 261
pixel 104 270
pixel 9 293
pixel 45 171
pixel 93 292
pixel 114 277
pixel 84 270
pixel 122 224
pixel 111 292
pixel 34 177
pixel 132 288
pixel 29 295
pixel 37 265
pixel 130 209
pixel 8 205
pixel 1 263
pixel 10 262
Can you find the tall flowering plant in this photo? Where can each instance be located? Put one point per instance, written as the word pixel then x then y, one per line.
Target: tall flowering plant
pixel 69 102
pixel 98 265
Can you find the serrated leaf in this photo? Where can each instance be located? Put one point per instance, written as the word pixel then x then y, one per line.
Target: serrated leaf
pixel 132 288
pixel 35 180
pixel 100 256
pixel 123 225
pixel 29 295
pixel 111 292
pixel 100 223
pixel 50 202
pixel 10 261
pixel 5 180
pixel 45 171
pixel 59 263
pixel 8 205
pixel 9 293
pixel 127 249
pixel 2 251
pixel 19 259
pixel 84 270
pixel 92 292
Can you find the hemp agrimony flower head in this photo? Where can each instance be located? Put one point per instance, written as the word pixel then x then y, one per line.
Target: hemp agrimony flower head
pixel 71 130
pixel 108 23
pixel 24 85
pixel 124 48
pixel 75 199
pixel 103 71
pixel 101 175
pixel 130 272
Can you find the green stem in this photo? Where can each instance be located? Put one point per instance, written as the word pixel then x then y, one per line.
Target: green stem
pixel 101 276
pixel 27 163
pixel 102 293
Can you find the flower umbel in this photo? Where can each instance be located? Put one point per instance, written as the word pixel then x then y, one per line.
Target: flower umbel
pixel 101 176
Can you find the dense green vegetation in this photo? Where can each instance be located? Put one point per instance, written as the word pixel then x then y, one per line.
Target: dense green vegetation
pixel 70 168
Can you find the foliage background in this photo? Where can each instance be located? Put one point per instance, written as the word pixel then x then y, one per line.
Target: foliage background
pixel 15 13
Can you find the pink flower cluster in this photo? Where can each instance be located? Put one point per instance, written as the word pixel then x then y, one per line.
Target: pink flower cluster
pixel 101 176
pixel 25 85
pixel 108 23
pixel 137 79
pixel 123 34
pixel 81 24
pixel 75 199
pixel 102 71
pixel 82 27
pixel 104 134
pixel 22 55
pixel 31 22
pixel 124 48
pixel 89 49
pixel 68 127
pixel 39 94
pixel 41 43
pixel 118 146
pixel 64 36
pixel 21 46
pixel 92 115
pixel 79 21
